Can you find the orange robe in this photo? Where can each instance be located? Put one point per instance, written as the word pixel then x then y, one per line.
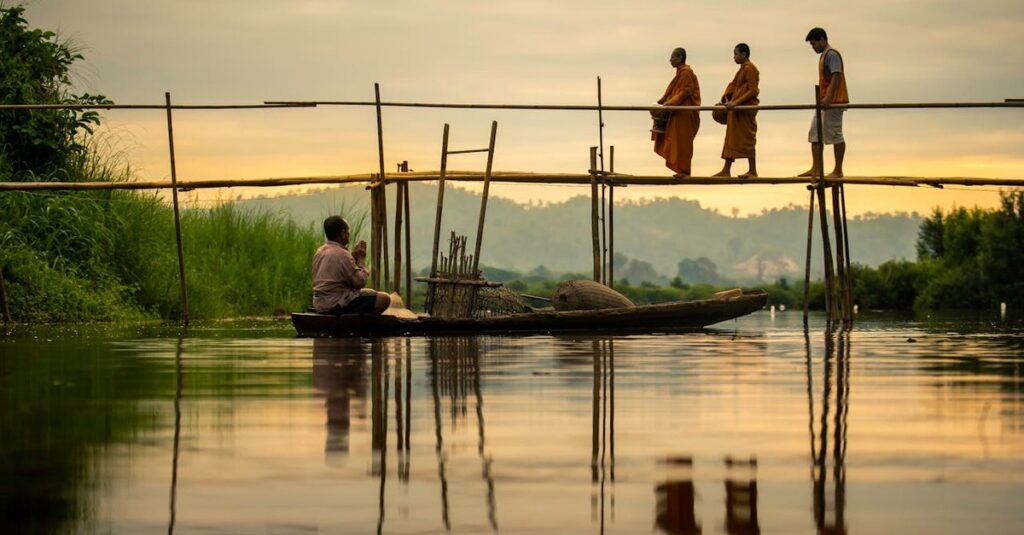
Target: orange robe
pixel 741 125
pixel 676 144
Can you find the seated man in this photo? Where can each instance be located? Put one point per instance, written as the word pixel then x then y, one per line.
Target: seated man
pixel 339 275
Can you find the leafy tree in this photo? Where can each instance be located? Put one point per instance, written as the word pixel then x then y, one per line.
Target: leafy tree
pixel 35 68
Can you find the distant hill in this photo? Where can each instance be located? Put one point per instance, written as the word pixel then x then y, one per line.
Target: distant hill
pixel 661 232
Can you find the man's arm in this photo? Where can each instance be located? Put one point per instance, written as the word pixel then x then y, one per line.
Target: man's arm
pixel 356 273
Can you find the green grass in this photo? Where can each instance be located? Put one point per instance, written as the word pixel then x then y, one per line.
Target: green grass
pixel 108 256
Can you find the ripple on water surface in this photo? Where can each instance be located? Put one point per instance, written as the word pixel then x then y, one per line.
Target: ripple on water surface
pixel 755 425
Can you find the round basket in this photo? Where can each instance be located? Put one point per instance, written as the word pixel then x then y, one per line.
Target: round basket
pixel 719 114
pixel 587 295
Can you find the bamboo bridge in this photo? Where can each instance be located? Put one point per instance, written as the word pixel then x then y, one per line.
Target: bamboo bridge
pixel 602 180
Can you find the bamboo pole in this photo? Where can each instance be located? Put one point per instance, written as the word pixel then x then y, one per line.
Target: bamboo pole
pixel 585 107
pixel 374 241
pixel 846 245
pixel 383 203
pixel 3 298
pixel 825 239
pixel 437 218
pixel 508 177
pixel 611 221
pixel 397 286
pixel 600 154
pixel 408 249
pixel 840 231
pixel 595 241
pixel 483 199
pixel 177 215
pixel 151 106
pixel 807 260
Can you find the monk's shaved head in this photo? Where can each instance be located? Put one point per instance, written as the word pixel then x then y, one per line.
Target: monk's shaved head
pixel 681 52
pixel 742 48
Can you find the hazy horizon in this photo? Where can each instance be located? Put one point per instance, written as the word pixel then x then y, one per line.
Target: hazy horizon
pixel 540 52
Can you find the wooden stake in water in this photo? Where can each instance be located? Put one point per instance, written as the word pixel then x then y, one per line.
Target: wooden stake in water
pixel 595 240
pixel 408 249
pixel 611 220
pixel 382 221
pixel 177 215
pixel 3 298
pixel 807 260
pixel 830 304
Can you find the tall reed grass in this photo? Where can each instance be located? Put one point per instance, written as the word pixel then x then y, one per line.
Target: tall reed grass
pixel 101 256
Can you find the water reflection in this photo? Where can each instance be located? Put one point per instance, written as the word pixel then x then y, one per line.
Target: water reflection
pixel 339 375
pixel 730 431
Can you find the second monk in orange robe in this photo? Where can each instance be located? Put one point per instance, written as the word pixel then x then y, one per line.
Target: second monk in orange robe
pixel 741 125
pixel 676 143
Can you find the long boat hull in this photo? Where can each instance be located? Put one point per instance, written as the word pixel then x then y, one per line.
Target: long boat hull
pixel 665 317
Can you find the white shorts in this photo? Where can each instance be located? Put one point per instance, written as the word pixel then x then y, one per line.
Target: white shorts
pixel 831 126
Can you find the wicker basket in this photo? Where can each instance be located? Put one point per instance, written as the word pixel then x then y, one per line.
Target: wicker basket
pixel 587 295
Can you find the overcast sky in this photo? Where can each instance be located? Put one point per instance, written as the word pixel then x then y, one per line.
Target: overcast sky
pixel 228 51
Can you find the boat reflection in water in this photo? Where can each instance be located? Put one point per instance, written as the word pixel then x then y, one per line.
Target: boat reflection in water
pixel 453 369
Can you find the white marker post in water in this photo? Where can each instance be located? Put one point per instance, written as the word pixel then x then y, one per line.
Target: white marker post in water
pixel 1002 311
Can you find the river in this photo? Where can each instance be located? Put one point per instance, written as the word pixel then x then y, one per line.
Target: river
pixel 752 426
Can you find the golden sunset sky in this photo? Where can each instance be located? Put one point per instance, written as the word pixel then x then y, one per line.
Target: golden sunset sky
pixel 525 52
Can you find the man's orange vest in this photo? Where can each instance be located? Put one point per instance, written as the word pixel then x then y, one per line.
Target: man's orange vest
pixel 841 97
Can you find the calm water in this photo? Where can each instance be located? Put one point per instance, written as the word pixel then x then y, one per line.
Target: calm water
pixel 750 427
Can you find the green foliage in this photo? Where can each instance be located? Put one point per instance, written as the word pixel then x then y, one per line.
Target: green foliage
pixel 35 68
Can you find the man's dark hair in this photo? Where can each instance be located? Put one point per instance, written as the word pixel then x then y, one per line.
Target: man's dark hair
pixel 743 48
pixel 816 34
pixel 682 53
pixel 334 226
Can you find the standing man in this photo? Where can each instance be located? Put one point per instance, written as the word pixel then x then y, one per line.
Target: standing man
pixel 832 87
pixel 339 275
pixel 741 125
pixel 674 142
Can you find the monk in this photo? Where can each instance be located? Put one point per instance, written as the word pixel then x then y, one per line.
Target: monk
pixel 675 144
pixel 741 125
pixel 832 87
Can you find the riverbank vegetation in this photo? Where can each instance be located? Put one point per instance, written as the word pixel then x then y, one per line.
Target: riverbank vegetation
pixel 110 255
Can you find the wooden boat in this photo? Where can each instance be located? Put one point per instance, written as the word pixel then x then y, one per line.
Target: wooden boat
pixel 665 317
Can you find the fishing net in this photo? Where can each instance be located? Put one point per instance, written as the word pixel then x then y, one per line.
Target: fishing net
pixel 497 302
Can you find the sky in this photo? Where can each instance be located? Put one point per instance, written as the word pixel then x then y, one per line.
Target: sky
pixel 534 52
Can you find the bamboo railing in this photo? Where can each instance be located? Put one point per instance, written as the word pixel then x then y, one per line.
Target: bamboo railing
pixel 838 291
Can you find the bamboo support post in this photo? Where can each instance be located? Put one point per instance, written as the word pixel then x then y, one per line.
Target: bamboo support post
pixel 177 214
pixel 483 199
pixel 611 220
pixel 595 240
pixel 846 246
pixel 408 246
pixel 3 298
pixel 437 217
pixel 840 231
pixel 830 304
pixel 397 285
pixel 807 260
pixel 600 155
pixel 382 220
